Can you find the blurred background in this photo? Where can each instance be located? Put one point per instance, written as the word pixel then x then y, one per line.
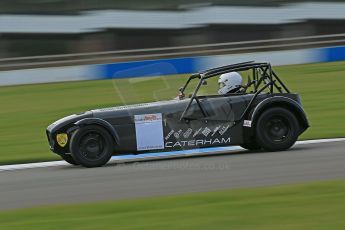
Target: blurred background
pixel 46 27
pixel 59 57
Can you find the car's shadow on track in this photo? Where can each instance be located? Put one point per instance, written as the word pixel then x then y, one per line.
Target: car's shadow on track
pixel 179 158
pixel 210 155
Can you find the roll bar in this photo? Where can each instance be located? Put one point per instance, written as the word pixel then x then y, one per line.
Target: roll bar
pixel 267 76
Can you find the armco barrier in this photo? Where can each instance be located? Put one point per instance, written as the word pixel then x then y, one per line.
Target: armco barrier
pixel 333 54
pixel 195 64
pixel 148 68
pixel 166 66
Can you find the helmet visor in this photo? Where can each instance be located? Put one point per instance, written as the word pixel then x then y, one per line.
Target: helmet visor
pixel 221 85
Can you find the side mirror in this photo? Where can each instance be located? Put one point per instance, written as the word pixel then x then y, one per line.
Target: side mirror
pixel 204 82
pixel 180 89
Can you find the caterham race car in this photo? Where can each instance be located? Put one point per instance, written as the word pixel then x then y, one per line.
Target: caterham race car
pixel 262 114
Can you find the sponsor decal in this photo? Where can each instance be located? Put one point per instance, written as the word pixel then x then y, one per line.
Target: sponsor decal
pixel 148 117
pixel 215 130
pixel 177 134
pixel 247 123
pixel 169 134
pixel 203 136
pixel 198 142
pixel 149 131
pixel 197 132
pixel 206 131
pixel 223 129
pixel 188 133
pixel 62 139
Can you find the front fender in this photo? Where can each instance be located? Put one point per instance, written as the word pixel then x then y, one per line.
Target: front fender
pixel 100 122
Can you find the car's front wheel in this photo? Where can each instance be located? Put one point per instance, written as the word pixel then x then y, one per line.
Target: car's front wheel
pixel 69 159
pixel 277 129
pixel 91 146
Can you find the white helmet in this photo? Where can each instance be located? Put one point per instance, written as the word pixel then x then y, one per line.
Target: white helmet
pixel 228 82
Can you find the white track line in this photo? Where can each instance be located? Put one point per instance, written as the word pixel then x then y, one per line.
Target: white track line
pixel 319 141
pixel 155 156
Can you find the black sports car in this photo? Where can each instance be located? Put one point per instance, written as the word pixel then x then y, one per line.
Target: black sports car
pixel 263 114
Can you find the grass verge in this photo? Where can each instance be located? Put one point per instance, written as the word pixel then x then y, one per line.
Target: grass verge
pixel 307 206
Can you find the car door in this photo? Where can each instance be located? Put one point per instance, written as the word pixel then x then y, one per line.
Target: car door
pixel 207 122
pixel 228 108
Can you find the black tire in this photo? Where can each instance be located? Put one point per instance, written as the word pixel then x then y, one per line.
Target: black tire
pixel 68 159
pixel 91 146
pixel 277 129
pixel 252 146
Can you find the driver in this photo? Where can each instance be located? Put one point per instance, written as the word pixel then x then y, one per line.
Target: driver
pixel 229 83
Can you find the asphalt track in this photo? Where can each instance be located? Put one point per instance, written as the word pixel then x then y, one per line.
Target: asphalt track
pixel 240 169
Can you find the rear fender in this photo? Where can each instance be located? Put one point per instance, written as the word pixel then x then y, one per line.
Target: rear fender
pixel 277 101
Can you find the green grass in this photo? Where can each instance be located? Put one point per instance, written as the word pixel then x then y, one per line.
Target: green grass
pixel 307 206
pixel 27 110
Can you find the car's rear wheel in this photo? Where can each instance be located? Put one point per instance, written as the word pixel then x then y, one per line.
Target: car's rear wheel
pixel 277 129
pixel 91 146
pixel 69 159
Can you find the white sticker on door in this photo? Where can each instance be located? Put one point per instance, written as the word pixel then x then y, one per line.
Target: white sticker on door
pixel 149 131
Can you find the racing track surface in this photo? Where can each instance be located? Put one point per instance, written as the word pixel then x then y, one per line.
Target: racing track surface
pixel 67 184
